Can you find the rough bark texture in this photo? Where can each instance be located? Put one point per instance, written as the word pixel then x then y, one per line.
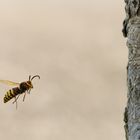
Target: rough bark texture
pixel 131 30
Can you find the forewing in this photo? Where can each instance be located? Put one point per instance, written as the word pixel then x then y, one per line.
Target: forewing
pixel 10 83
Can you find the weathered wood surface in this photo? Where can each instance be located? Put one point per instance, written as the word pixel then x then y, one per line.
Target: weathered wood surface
pixel 131 30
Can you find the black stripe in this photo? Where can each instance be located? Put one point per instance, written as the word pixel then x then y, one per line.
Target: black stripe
pixel 6 95
pixel 12 93
pixel 5 100
pixel 9 95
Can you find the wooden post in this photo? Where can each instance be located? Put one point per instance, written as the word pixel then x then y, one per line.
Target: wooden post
pixel 131 30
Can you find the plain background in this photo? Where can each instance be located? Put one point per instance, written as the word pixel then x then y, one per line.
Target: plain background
pixel 78 49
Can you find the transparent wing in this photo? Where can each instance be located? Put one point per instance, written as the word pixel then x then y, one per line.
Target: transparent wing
pixel 10 83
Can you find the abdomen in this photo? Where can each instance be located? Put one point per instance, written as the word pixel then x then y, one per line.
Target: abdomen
pixel 11 94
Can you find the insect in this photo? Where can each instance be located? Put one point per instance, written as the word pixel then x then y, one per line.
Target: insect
pixel 22 88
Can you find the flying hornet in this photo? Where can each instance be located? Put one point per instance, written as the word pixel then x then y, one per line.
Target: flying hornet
pixel 22 88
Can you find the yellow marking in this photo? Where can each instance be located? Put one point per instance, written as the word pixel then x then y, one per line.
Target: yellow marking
pixel 9 94
pixel 29 84
pixel 12 92
pixel 6 95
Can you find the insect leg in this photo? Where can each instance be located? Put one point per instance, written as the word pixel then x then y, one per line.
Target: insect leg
pixel 28 91
pixel 24 96
pixel 16 101
pixel 16 98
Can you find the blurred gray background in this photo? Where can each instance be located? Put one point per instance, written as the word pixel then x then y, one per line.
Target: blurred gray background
pixel 77 48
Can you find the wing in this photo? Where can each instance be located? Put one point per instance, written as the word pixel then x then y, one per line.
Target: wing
pixel 10 83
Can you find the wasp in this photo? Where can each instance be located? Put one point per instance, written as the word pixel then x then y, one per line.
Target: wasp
pixel 22 88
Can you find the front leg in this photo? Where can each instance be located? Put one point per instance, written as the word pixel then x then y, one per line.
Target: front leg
pixel 28 91
pixel 24 96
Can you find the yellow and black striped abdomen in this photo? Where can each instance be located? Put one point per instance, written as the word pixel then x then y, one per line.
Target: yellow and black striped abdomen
pixel 11 93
